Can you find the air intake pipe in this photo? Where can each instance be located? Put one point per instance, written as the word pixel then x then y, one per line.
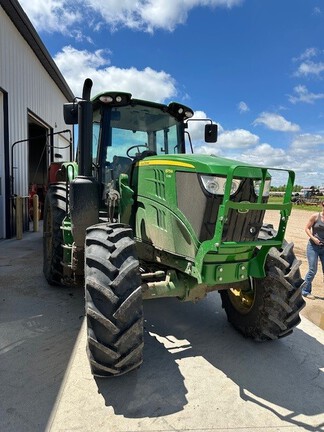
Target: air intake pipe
pixel 85 130
pixel 84 189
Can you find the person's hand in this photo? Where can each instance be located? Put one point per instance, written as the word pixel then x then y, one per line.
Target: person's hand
pixel 317 241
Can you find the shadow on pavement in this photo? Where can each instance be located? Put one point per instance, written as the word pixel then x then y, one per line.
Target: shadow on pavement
pixel 39 325
pixel 279 376
pixel 152 391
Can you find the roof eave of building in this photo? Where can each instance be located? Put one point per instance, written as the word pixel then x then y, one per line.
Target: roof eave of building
pixel 28 32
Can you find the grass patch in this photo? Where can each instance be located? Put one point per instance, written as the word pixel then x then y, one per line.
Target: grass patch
pixel 311 208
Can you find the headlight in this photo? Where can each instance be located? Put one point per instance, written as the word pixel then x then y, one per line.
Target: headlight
pixel 216 185
pixel 266 189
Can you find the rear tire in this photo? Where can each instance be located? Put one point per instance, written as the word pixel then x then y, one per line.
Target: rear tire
pixel 113 299
pixel 54 213
pixel 268 308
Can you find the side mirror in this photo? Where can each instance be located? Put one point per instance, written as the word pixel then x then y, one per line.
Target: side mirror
pixel 70 112
pixel 211 131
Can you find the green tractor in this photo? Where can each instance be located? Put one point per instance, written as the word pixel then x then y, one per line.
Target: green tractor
pixel 135 218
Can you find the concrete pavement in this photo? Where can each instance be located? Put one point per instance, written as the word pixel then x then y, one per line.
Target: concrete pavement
pixel 198 373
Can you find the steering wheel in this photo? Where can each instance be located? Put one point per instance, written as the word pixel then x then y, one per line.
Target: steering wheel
pixel 138 146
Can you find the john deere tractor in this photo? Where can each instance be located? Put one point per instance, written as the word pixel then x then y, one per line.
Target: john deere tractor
pixel 135 217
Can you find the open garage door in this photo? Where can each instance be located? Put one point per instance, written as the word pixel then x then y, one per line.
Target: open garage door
pixel 38 160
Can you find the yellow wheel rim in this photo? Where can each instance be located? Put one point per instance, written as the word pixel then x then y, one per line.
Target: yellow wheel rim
pixel 242 296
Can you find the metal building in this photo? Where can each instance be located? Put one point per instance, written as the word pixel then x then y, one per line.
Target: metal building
pixel 32 129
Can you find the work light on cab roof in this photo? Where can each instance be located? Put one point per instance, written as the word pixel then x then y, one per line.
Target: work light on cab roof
pixel 113 98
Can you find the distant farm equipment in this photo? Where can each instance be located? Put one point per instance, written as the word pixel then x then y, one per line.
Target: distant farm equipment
pixel 307 196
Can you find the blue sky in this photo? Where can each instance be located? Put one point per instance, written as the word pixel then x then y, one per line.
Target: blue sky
pixel 255 67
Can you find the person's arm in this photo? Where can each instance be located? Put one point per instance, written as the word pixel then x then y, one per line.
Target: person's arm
pixel 309 231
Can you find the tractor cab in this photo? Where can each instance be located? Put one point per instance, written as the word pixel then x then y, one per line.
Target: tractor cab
pixel 116 131
pixel 126 130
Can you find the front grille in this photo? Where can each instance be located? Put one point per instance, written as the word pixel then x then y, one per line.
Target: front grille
pixel 201 210
pixel 240 227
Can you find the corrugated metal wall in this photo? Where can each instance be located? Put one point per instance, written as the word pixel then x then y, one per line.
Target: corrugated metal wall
pixel 29 88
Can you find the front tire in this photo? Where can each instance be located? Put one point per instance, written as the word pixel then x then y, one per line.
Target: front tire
pixel 54 213
pixel 113 298
pixel 268 308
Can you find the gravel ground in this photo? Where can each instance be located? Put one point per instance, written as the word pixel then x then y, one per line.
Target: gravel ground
pixel 295 232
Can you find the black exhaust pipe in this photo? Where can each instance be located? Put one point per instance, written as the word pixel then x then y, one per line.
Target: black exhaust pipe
pixel 87 89
pixel 84 189
pixel 85 131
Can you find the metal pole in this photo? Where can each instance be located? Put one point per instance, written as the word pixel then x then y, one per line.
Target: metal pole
pixel 35 213
pixel 19 217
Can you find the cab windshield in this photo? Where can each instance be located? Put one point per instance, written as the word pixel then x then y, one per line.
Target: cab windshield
pixel 116 130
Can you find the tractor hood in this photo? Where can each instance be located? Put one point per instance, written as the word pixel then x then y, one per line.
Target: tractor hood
pixel 204 164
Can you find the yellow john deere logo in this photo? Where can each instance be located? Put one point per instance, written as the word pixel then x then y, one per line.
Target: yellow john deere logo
pixel 165 162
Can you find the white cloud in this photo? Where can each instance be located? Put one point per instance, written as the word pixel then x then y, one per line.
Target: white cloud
pixel 307 54
pixel 294 157
pixel 276 122
pixel 152 14
pixel 146 15
pixel 266 155
pixel 52 15
pixel 242 107
pixel 310 68
pixel 208 150
pixel 307 142
pixel 76 66
pixel 237 139
pixel 301 94
pixel 229 143
pixel 256 155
